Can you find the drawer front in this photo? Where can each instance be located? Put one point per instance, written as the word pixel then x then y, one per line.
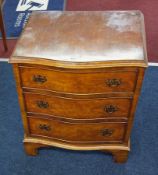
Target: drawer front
pixel 77 108
pixel 84 83
pixel 77 132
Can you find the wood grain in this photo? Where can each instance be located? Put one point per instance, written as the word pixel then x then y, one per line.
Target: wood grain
pixel 69 81
pixel 77 133
pixel 78 108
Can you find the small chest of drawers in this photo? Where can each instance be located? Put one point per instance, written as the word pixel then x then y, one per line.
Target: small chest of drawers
pixel 78 77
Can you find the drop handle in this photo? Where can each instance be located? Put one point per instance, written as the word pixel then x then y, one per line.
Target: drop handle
pixel 44 127
pixel 110 109
pixel 113 82
pixel 42 104
pixel 107 132
pixel 39 79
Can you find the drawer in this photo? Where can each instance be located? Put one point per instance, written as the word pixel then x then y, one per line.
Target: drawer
pixel 77 108
pixel 79 82
pixel 77 132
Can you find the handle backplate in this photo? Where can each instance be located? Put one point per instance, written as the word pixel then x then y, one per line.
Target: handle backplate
pixel 111 109
pixel 113 82
pixel 44 127
pixel 39 79
pixel 42 104
pixel 107 132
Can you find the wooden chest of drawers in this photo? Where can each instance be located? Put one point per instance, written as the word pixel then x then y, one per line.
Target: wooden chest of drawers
pixel 78 77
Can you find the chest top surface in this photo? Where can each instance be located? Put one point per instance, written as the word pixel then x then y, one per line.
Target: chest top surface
pixel 79 37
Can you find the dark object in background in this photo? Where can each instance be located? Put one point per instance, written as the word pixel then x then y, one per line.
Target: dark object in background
pixel 2 27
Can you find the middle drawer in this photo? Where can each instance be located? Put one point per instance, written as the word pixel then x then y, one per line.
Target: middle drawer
pixel 77 108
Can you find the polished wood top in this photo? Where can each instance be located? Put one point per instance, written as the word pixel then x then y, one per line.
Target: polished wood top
pixel 83 38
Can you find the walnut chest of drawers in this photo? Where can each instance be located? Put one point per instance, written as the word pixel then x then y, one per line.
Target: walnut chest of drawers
pixel 78 77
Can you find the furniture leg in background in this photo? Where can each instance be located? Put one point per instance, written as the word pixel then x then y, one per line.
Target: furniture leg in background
pixel 2 27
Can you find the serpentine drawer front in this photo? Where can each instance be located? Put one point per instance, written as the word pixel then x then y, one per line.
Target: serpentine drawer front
pixel 117 80
pixel 77 132
pixel 77 108
pixel 78 77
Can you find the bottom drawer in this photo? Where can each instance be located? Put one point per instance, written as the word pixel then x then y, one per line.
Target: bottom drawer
pixel 77 132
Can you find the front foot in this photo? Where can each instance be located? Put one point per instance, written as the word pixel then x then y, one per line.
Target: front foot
pixel 120 156
pixel 31 149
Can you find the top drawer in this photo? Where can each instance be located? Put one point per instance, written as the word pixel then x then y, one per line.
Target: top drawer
pixel 83 81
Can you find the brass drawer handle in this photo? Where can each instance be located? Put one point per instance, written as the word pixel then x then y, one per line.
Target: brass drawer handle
pixel 107 132
pixel 42 104
pixel 113 82
pixel 39 79
pixel 44 127
pixel 111 109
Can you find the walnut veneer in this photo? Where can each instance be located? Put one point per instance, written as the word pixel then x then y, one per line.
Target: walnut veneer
pixel 78 77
